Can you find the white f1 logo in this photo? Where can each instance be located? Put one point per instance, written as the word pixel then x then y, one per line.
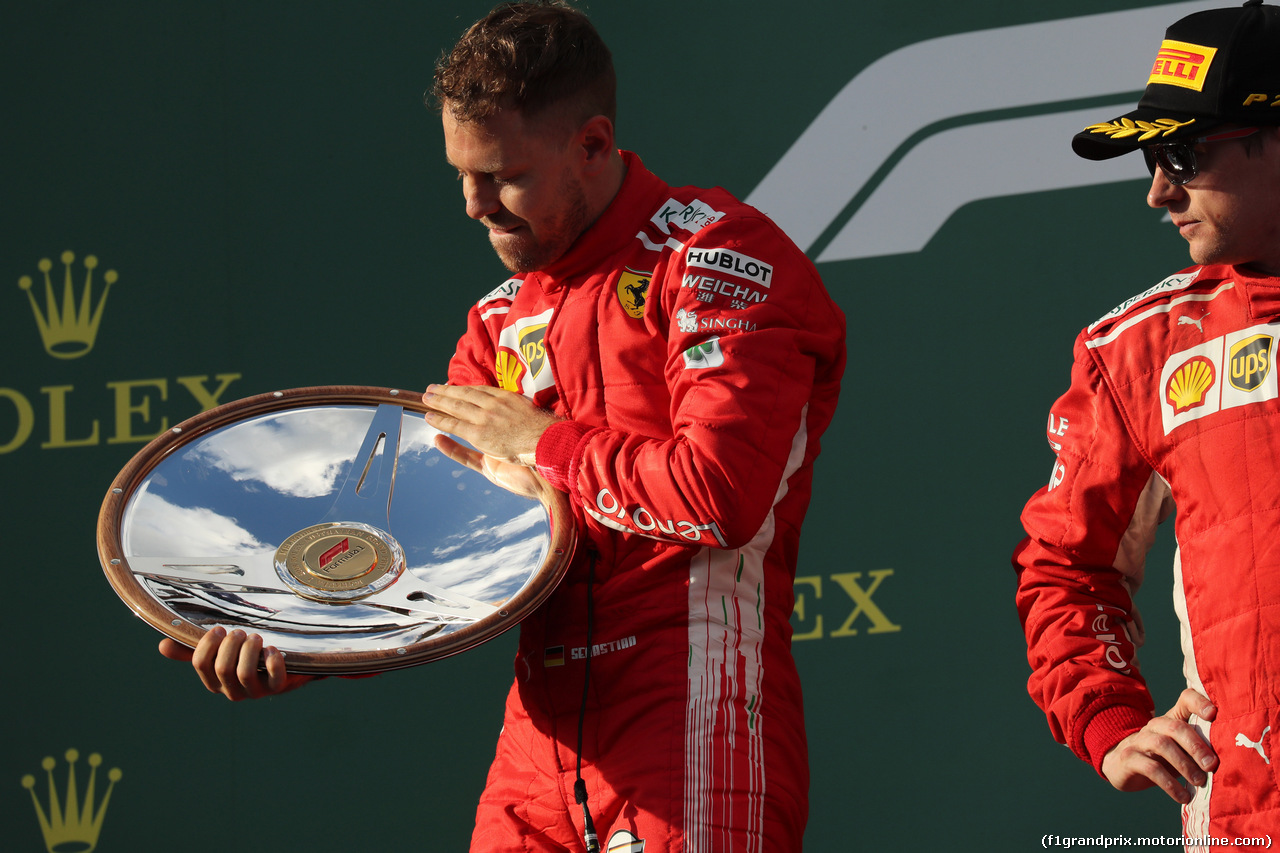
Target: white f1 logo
pixel 930 114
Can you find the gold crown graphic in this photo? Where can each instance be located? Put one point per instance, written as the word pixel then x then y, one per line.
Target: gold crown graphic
pixel 69 331
pixel 68 827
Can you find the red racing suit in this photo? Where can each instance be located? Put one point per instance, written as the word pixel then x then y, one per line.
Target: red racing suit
pixel 1173 402
pixel 696 358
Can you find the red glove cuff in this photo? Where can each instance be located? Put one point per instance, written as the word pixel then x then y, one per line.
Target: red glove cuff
pixel 557 450
pixel 1108 727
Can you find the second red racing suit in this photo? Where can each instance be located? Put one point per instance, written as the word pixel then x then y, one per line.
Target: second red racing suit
pixel 1173 402
pixel 696 357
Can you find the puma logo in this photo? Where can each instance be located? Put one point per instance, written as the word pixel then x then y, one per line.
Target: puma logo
pixel 1187 321
pixel 1241 740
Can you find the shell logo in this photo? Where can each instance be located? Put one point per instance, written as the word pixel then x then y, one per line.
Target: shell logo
pixel 508 369
pixel 1189 383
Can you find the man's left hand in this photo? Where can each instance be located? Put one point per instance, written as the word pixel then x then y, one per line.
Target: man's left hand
pixel 498 423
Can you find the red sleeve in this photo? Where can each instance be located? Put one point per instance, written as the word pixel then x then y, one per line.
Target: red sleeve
pixel 753 377
pixel 474 359
pixel 1088 532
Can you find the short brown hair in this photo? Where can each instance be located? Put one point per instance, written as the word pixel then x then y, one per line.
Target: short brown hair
pixel 527 57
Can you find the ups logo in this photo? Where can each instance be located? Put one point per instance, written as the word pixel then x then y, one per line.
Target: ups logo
pixel 1250 362
pixel 533 348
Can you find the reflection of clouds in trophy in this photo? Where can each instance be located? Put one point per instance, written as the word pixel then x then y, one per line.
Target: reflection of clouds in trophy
pixel 155 525
pixel 418 438
pixel 479 535
pixel 488 562
pixel 492 576
pixel 293 453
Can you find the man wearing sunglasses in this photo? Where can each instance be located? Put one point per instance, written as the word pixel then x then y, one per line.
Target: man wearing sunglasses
pixel 1174 402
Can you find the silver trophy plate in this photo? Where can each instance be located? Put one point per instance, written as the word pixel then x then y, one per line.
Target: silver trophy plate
pixel 326 520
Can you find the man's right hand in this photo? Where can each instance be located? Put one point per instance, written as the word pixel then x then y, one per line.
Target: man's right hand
pixel 228 664
pixel 1164 749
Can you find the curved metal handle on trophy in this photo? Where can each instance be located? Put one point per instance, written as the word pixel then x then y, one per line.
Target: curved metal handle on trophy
pixel 326 520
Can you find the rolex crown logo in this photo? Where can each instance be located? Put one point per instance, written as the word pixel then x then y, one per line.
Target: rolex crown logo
pixel 69 328
pixel 69 827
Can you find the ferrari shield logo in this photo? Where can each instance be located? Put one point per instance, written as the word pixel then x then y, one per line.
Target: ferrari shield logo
pixel 633 288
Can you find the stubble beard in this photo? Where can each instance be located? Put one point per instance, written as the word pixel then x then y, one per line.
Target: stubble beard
pixel 530 253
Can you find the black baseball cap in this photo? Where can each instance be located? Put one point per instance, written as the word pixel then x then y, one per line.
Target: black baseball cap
pixel 1216 67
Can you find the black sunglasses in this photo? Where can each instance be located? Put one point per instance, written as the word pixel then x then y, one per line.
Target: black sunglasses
pixel 1178 159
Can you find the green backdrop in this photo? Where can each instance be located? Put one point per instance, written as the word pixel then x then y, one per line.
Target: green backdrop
pixel 257 175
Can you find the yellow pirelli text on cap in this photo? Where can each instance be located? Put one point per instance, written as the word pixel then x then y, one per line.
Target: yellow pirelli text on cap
pixel 1261 98
pixel 1181 64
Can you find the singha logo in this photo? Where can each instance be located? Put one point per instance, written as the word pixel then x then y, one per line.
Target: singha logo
pixel 687 320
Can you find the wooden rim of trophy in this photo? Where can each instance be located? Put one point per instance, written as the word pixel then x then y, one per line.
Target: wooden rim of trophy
pixel 325 519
